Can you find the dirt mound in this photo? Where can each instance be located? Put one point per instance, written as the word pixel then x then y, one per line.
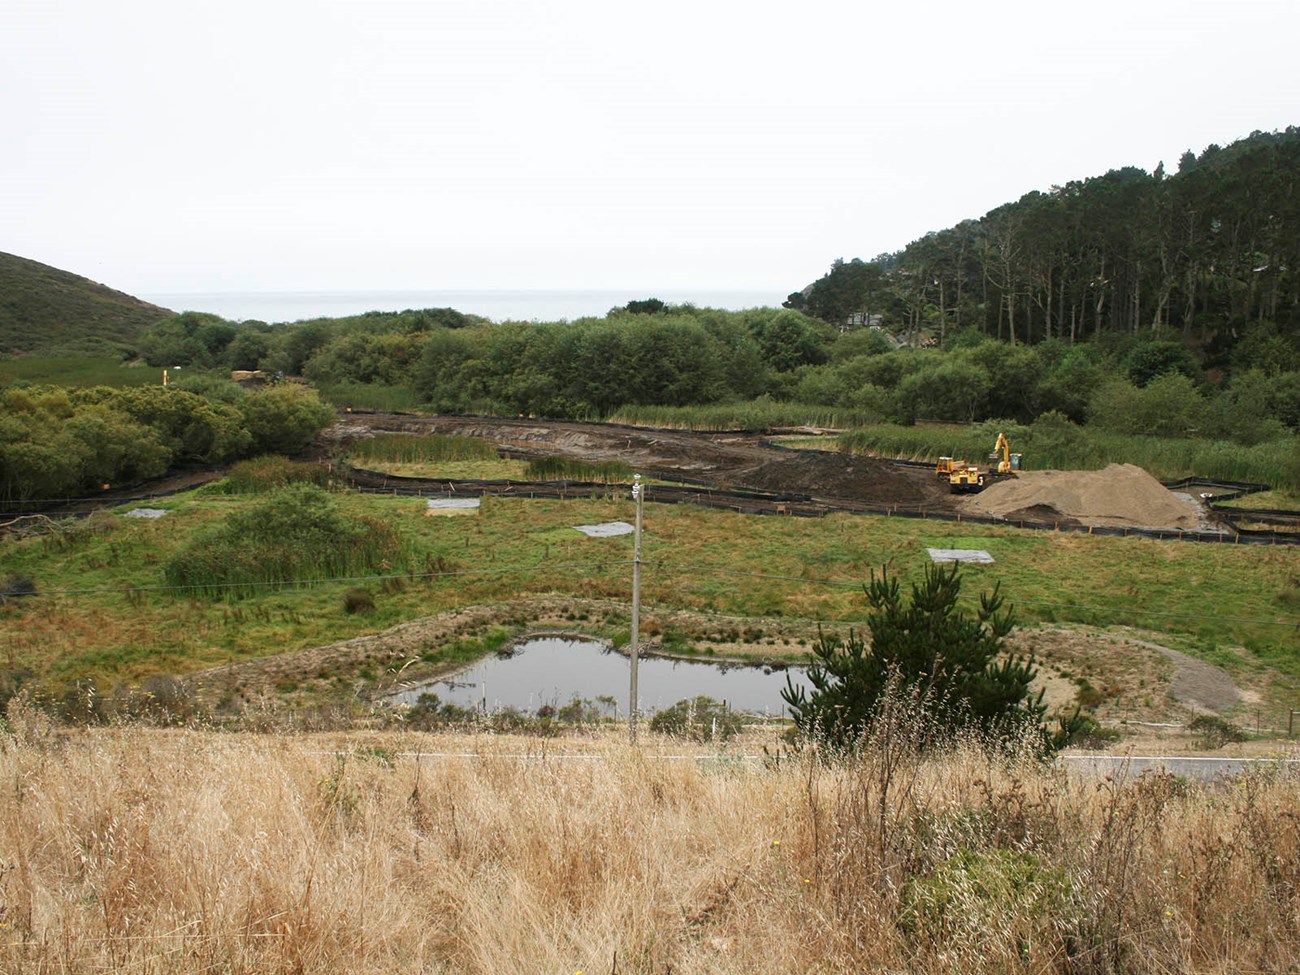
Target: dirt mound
pixel 1122 495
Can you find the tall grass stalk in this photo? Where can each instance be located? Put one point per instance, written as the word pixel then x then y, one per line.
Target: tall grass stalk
pixel 368 396
pixel 429 448
pixel 192 852
pixel 754 416
pixel 570 469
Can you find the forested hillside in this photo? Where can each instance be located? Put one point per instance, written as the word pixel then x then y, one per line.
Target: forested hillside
pixel 1206 255
pixel 1130 305
pixel 48 310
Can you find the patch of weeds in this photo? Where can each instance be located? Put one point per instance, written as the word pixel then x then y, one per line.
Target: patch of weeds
pixel 358 601
pixel 974 892
pixel 378 754
pixel 336 793
pixel 1087 695
pixel 1213 731
pixel 699 719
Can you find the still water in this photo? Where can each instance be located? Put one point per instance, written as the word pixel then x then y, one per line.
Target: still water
pixel 554 671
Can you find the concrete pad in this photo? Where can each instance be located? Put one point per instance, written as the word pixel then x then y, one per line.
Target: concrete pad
pixel 975 555
pixel 607 530
pixel 452 506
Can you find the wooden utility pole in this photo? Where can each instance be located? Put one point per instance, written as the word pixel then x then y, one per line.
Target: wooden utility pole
pixel 638 494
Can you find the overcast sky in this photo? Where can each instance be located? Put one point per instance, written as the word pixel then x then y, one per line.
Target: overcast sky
pixel 164 145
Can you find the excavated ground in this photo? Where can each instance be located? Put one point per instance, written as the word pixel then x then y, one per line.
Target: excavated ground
pixel 1122 495
pixel 719 460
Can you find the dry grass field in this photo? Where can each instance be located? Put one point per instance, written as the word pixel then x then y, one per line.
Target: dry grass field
pixel 136 850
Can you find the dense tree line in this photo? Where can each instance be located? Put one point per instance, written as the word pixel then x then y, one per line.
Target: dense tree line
pixel 1206 255
pixel 205 341
pixel 1136 302
pixel 686 356
pixel 57 442
pixel 646 354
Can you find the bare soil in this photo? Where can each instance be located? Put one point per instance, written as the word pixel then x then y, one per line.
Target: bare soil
pixel 720 460
pixel 1122 495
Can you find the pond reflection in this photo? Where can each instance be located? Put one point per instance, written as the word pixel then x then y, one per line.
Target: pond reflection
pixel 555 670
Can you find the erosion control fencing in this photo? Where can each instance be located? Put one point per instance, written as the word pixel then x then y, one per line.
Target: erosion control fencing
pixel 766 503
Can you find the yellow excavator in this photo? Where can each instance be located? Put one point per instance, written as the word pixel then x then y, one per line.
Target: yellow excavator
pixel 964 478
pixel 1008 463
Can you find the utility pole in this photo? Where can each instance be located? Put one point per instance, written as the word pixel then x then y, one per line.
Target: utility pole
pixel 638 494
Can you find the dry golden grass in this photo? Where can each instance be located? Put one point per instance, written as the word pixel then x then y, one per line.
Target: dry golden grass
pixel 147 851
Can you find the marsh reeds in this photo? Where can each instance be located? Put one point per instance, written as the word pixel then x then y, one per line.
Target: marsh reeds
pixel 752 415
pixel 571 469
pixel 296 534
pixel 270 472
pixel 398 448
pixel 132 850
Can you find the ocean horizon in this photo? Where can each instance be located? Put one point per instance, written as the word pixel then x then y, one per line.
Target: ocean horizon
pixel 498 305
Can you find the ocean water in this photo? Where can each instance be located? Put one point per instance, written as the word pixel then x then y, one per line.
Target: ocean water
pixel 500 306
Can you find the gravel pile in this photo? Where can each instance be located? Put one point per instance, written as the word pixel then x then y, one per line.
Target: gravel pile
pixel 1122 495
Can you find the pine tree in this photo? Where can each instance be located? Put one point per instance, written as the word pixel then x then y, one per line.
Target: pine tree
pixel 951 663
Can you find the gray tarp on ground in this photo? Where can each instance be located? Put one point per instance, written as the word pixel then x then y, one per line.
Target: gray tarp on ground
pixel 976 555
pixel 607 530
pixel 454 502
pixel 146 513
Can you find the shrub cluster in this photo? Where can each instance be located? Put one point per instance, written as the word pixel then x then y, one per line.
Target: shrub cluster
pixel 294 534
pixel 58 443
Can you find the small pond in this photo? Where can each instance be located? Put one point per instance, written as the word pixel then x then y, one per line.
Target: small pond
pixel 555 670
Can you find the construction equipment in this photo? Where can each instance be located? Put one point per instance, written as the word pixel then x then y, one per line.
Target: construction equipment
pixel 1008 463
pixel 966 479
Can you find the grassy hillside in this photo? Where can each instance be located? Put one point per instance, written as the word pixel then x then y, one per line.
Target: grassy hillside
pixel 45 309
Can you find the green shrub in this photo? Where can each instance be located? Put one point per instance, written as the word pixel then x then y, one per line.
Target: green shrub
pixel 699 719
pixel 358 601
pixel 931 654
pixel 296 534
pixel 270 472
pixel 284 418
pixel 1213 731
pixel 973 892
pixel 1089 733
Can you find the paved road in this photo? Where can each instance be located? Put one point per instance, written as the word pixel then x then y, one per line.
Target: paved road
pixel 1131 766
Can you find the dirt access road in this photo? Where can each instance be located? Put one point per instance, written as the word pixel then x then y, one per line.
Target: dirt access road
pixel 719 460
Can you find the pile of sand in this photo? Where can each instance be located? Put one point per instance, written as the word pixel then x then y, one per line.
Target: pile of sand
pixel 1122 495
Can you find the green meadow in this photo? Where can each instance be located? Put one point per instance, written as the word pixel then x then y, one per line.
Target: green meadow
pixel 120 598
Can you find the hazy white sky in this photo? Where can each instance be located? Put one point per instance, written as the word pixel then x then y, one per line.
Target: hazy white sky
pixel 172 145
